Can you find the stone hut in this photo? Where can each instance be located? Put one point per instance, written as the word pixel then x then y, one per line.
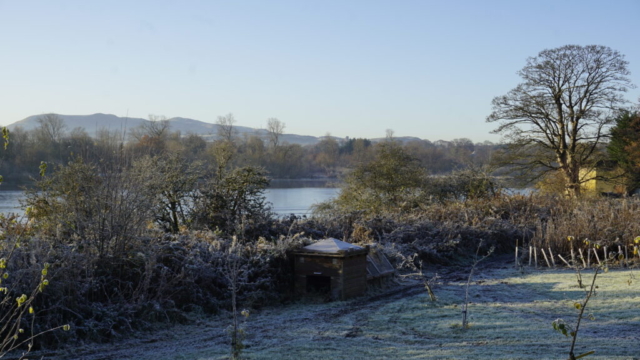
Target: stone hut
pixel 331 267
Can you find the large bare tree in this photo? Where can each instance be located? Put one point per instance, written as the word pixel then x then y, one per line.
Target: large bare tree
pixel 557 118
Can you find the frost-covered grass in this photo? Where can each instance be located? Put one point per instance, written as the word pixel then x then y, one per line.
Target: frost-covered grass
pixel 511 316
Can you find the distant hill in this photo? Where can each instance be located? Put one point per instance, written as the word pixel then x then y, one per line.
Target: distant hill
pixel 92 123
pixel 402 139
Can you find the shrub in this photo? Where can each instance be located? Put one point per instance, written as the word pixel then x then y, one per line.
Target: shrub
pixel 96 208
pixel 233 202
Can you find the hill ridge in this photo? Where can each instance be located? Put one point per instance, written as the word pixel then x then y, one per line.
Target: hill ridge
pixel 98 121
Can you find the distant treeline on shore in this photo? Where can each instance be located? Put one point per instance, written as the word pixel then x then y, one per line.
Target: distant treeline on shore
pixel 53 142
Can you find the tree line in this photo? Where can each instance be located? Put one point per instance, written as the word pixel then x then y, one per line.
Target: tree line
pixel 53 142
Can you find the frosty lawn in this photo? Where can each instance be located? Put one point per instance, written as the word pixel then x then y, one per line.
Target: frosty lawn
pixel 511 315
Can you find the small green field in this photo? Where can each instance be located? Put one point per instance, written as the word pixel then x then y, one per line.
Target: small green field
pixel 511 315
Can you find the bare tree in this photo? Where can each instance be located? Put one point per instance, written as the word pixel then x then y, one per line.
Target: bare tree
pixel 462 150
pixel 476 261
pixel 328 153
pixel 223 152
pixel 151 136
pixel 108 142
pixel 389 134
pixel 557 117
pixel 225 128
pixel 234 269
pixel 275 129
pixel 157 127
pixel 49 136
pixel 51 128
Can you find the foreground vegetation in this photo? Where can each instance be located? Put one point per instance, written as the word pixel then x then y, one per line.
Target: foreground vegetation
pixel 165 278
pixel 511 316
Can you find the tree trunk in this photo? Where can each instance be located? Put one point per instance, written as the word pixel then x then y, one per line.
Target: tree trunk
pixel 572 177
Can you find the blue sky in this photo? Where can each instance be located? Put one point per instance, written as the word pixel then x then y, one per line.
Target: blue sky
pixel 350 68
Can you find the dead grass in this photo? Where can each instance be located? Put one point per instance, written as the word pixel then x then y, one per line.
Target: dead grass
pixel 511 315
pixel 443 232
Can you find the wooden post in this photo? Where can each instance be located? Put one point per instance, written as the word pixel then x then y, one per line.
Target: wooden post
pixel 620 253
pixel 553 261
pixel 605 254
pixel 530 251
pixel 565 261
pixel 588 257
pixel 573 255
pixel 535 255
pixel 595 251
pixel 545 257
pixel 516 264
pixel 582 258
pixel 626 256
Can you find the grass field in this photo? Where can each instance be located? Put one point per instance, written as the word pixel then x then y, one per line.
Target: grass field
pixel 510 318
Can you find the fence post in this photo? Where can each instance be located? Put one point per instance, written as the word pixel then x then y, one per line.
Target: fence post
pixel 565 261
pixel 545 257
pixel 582 258
pixel 573 255
pixel 626 255
pixel 516 253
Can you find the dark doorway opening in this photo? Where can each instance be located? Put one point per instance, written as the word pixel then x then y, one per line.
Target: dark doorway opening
pixel 320 285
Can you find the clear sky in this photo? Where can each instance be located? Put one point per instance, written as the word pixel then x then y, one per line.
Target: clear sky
pixel 350 68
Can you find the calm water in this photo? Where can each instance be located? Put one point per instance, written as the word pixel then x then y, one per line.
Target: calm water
pixel 10 201
pixel 286 198
pixel 298 201
pixel 285 201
